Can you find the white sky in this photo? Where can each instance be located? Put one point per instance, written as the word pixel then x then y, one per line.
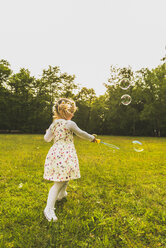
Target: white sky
pixel 83 37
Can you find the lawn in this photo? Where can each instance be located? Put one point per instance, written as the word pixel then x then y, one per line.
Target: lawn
pixel 119 201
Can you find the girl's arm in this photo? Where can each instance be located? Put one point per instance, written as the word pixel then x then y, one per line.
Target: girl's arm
pixel 71 125
pixel 48 136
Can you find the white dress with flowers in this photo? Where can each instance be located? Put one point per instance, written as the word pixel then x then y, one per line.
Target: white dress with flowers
pixel 61 162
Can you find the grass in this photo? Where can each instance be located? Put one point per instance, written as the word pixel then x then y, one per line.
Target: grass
pixel 119 201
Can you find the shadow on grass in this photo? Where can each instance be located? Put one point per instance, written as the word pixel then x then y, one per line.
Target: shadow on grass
pixel 60 204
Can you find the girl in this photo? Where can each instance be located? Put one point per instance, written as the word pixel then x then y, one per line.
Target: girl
pixel 61 164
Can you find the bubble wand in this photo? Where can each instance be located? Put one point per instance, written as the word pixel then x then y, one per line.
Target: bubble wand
pixel 98 141
pixel 107 144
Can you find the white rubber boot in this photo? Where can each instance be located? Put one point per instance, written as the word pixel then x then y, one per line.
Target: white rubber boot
pixel 52 197
pixel 50 214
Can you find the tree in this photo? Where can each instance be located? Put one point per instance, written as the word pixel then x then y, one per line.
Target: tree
pixel 99 109
pixel 84 100
pixel 67 85
pixel 5 73
pixel 120 119
pixel 153 96
pixel 57 84
pixel 20 86
pixel 51 83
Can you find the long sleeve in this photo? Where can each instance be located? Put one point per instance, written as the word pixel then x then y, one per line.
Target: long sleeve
pixel 48 136
pixel 71 125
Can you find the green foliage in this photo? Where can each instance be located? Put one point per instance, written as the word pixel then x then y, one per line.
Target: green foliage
pixel 154 98
pixel 119 201
pixel 26 102
pixel 146 112
pixel 5 71
pixel 84 100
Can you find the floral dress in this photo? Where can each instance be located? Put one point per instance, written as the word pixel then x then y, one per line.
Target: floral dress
pixel 61 162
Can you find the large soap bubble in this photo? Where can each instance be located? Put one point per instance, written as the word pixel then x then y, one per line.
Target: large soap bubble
pixel 137 146
pixel 124 83
pixel 126 99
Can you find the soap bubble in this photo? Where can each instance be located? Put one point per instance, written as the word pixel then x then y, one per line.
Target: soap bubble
pixel 124 83
pixel 137 146
pixel 126 99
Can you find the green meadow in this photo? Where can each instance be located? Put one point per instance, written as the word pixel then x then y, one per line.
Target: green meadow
pixel 119 201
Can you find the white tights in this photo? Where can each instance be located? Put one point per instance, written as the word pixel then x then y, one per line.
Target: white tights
pixel 58 189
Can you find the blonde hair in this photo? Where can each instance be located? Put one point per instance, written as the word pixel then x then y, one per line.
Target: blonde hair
pixel 63 108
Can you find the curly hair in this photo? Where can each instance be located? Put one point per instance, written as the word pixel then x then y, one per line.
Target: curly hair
pixel 63 108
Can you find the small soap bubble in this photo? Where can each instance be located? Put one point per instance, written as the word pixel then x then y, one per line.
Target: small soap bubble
pixel 20 185
pixel 137 146
pixel 126 99
pixel 124 83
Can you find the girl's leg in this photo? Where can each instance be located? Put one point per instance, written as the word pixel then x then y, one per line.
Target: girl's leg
pixel 53 194
pixel 63 192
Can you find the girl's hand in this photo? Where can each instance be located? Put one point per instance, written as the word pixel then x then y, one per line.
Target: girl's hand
pixel 94 140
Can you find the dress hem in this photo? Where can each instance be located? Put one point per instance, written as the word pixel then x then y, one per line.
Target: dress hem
pixel 61 180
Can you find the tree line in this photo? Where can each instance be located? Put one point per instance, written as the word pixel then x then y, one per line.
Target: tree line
pixel 26 102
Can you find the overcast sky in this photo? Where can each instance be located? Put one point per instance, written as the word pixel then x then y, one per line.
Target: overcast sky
pixel 83 37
